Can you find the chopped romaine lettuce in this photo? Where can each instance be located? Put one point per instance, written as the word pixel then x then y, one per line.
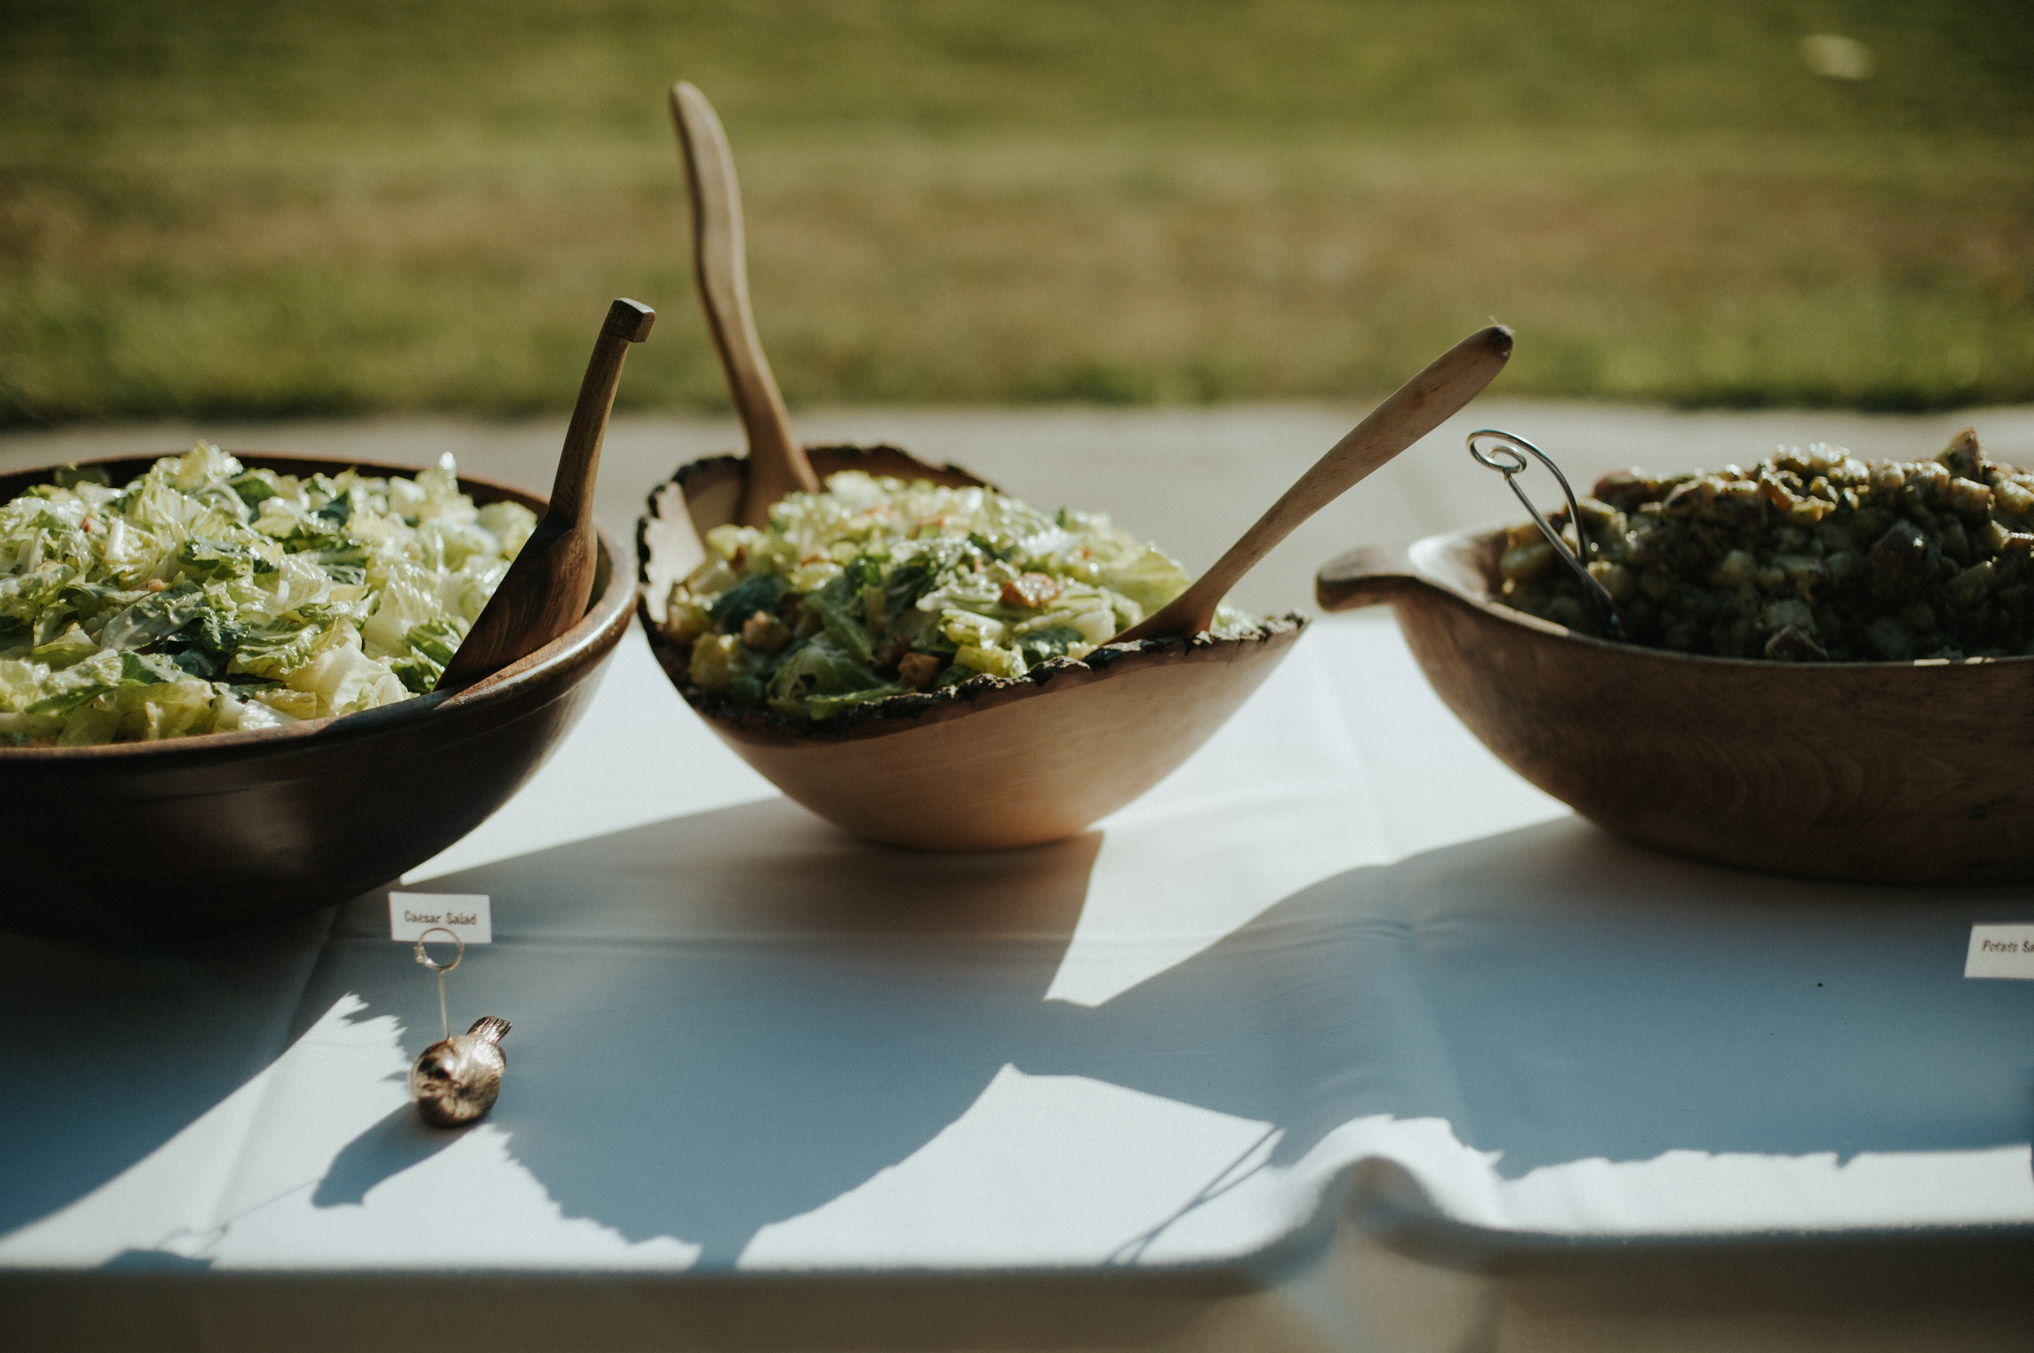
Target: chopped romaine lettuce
pixel 880 587
pixel 206 596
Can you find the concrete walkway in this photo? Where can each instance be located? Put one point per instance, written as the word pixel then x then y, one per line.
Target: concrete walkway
pixel 1190 478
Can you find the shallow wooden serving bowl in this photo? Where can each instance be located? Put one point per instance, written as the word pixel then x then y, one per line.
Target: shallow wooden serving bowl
pixel 1875 772
pixel 229 829
pixel 991 763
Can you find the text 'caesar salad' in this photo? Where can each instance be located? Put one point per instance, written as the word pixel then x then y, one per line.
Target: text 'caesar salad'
pixel 879 587
pixel 206 596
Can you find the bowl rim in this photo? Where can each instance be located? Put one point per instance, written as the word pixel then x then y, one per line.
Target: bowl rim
pixel 610 610
pixel 902 713
pixel 1418 556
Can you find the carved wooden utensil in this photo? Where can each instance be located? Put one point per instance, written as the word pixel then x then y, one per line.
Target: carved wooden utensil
pixel 777 463
pixel 1879 772
pixel 551 581
pixel 1415 409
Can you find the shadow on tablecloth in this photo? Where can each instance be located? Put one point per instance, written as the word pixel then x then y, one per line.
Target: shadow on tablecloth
pixel 1552 994
pixel 750 1014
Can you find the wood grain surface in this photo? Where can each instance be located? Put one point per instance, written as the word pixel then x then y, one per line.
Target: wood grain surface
pixel 1873 772
pixel 1410 413
pixel 547 587
pixel 720 262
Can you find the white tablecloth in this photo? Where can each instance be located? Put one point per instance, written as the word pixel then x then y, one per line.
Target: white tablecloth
pixel 1341 975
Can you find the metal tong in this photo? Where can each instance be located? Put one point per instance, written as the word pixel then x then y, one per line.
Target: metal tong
pixel 1505 458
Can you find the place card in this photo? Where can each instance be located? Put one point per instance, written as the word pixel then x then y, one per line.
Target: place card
pixel 466 915
pixel 2000 951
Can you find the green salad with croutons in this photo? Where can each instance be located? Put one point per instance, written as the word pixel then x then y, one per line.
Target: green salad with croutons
pixel 879 587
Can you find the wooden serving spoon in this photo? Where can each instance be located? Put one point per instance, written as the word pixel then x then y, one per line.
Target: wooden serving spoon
pixel 777 463
pixel 1415 409
pixel 551 581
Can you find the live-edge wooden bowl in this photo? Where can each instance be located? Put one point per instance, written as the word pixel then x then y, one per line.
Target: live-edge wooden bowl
pixel 1875 772
pixel 230 829
pixel 989 764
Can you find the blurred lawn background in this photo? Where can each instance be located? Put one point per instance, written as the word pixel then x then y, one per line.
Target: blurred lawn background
pixel 229 208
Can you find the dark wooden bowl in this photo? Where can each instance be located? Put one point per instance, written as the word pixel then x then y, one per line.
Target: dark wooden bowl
pixel 990 764
pixel 1877 772
pixel 230 829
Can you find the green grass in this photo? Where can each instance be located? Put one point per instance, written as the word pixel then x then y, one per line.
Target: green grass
pixel 246 209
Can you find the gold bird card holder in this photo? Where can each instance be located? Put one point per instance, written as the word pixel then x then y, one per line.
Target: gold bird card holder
pixel 455 1081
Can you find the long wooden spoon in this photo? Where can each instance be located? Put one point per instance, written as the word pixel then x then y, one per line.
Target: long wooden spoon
pixel 551 581
pixel 1415 409
pixel 777 463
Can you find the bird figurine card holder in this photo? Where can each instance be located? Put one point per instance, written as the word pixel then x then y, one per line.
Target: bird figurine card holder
pixel 456 1080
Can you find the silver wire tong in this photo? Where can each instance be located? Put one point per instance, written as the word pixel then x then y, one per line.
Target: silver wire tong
pixel 1505 458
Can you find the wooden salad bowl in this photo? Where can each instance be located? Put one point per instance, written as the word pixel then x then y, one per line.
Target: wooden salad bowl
pixel 1877 772
pixel 989 764
pixel 231 829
